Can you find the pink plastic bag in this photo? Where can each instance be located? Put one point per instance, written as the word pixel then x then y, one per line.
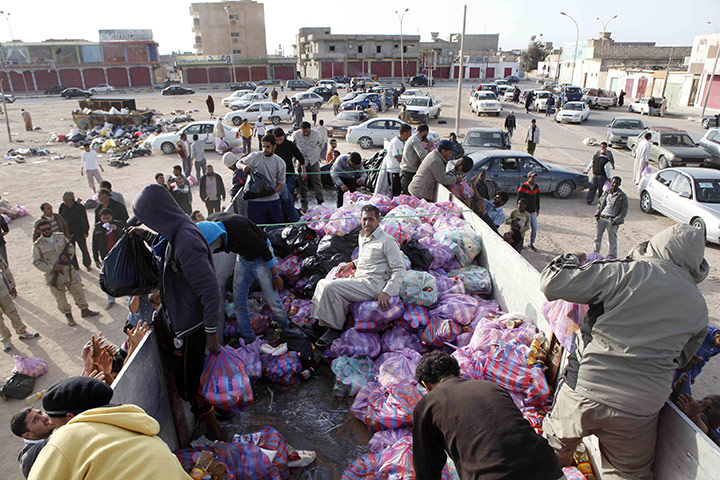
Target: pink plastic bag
pixel 399 367
pixel 283 369
pixel 30 366
pixel 317 217
pixel 387 438
pixel 415 317
pixel 439 331
pixel 449 286
pixel 396 463
pixel 458 307
pixel 397 338
pixel 363 467
pixel 390 407
pixel 289 268
pixel 565 319
pixel 441 253
pixel 343 221
pixel 224 382
pixel 249 355
pixel 356 344
pixel 370 318
pixel 506 367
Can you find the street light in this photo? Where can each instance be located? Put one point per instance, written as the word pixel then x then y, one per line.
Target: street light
pixel 232 58
pixel 712 74
pixel 402 47
pixel 602 42
pixel 577 40
pixel 7 19
pixel 709 23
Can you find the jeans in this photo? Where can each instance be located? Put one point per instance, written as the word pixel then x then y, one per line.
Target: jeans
pixel 200 169
pixel 602 225
pixel 245 273
pixel 263 213
pixel 3 253
pixel 533 228
pixel 510 131
pixel 287 199
pixel 260 142
pixel 351 184
pixel 187 166
pixel 596 185
pixel 224 267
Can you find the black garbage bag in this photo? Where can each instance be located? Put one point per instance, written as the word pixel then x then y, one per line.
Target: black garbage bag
pixel 128 269
pixel 257 186
pixel 309 289
pixel 279 245
pixel 297 235
pixel 332 244
pixel 312 265
pixel 373 164
pixel 18 386
pixel 298 342
pixel 309 249
pixel 420 257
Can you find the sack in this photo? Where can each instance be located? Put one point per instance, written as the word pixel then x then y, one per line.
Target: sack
pixel 399 367
pixel 465 243
pixel 414 318
pixel 476 279
pixel 458 307
pixel 370 318
pixel 266 440
pixel 471 362
pixel 420 257
pixel 297 342
pixel 249 355
pixel 289 269
pixel 300 311
pixel 362 468
pixel 356 344
pixel 397 338
pixel 17 386
pixel 311 285
pixel 506 367
pixel 343 221
pixel 279 245
pixel 284 369
pixel 399 231
pixel 316 218
pixel 419 288
pixel 224 382
pixel 565 319
pixel 128 269
pixel 449 286
pixel 257 186
pixel 388 407
pixel 439 331
pixel 396 463
pixel 440 252
pixel 351 374
pixel 297 235
pixel 30 366
pixel 260 323
pixel 387 438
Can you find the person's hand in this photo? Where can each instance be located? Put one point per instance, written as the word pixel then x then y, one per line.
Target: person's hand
pixel 87 357
pixel 613 223
pixel 246 169
pixel 81 173
pixel 212 343
pixel 581 256
pixel 689 406
pixel 95 374
pixel 139 231
pixel 303 175
pixel 98 263
pixel 344 267
pixel 58 268
pixel 113 227
pixel 344 188
pixel 136 335
pixel 13 292
pixel 104 363
pixel 278 283
pixel 383 300
pixel 86 235
pixel 597 218
pixel 64 258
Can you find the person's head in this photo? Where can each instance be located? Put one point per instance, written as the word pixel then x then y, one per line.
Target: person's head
pixel 45 228
pixel 73 396
pixel 513 237
pixel 533 122
pixel 335 154
pixel 229 159
pixel 354 159
pixel 648 136
pixel 31 424
pixel 68 198
pixel 321 121
pixel 279 134
pixel 104 196
pixel 197 216
pixel 500 199
pixel 106 215
pixel 521 205
pixel 452 136
pixel 603 146
pixel 183 136
pixel 195 137
pixel 160 178
pixel 305 127
pixel 463 165
pixel 210 170
pixel 445 148
pixel 86 147
pixel 511 114
pixel 615 184
pixel 716 339
pixel 177 171
pixel 215 234
pixel 245 122
pixel 105 184
pixel 268 145
pixel 180 182
pixel 481 175
pixel 405 132
pixel 369 218
pixel 531 178
pixel 46 209
pixel 259 119
pixel 423 130
pixel 333 143
pixel 434 367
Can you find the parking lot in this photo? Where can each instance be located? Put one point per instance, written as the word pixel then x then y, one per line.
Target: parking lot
pixel 564 225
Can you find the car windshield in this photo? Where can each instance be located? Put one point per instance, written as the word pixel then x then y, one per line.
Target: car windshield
pixel 350 96
pixel 573 106
pixel 347 116
pixel 708 191
pixel 677 140
pixel 484 139
pixel 629 124
pixel 543 94
pixel 418 102
pixel 572 90
pixel 487 96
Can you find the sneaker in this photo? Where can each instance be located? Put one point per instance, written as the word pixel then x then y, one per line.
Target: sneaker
pixel 109 305
pixel 7 345
pixel 86 312
pixel 70 319
pixel 28 335
pixel 532 247
pixel 327 338
pixel 89 268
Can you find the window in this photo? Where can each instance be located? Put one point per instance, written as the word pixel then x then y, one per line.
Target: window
pixel 377 125
pixel 666 178
pixel 508 164
pixel 331 48
pixel 529 165
pixel 396 45
pixel 237 51
pixel 193 130
pixel 234 17
pixel 404 48
pixel 234 34
pixel 360 49
pixel 714 136
pixel 378 49
pixel 681 186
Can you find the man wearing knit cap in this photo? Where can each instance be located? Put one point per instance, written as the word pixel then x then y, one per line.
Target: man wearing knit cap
pixel 432 171
pixel 93 440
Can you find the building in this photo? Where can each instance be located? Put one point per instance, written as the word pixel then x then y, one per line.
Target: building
pixel 198 69
pixel 122 58
pixel 220 27
pixel 703 58
pixel 322 54
pixel 596 56
pixel 439 55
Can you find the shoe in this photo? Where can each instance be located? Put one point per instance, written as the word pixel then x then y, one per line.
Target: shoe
pixel 28 335
pixel 532 247
pixel 89 268
pixel 70 320
pixel 312 332
pixel 109 305
pixel 86 312
pixel 7 345
pixel 327 338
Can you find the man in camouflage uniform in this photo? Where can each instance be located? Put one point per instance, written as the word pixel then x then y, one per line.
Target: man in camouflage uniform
pixel 7 306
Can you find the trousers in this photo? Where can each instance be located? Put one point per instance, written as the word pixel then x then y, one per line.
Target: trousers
pixel 75 289
pixel 627 441
pixel 351 184
pixel 533 228
pixel 602 225
pixel 405 179
pixel 200 168
pixel 212 206
pixel 187 166
pixel 333 297
pixel 7 306
pixel 93 175
pixel 79 239
pixel 263 213
pixel 247 144
pixel 596 185
pixel 287 199
pixel 313 179
pixel 531 147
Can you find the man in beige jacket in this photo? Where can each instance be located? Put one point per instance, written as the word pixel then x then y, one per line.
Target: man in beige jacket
pixel 432 171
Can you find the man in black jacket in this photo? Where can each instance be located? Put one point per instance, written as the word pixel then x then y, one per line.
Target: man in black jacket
pixel 34 427
pixel 212 190
pixel 287 150
pixel 510 124
pixel 76 218
pixel 105 200
pixel 106 233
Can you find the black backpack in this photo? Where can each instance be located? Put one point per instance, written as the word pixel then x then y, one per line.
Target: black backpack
pixel 18 386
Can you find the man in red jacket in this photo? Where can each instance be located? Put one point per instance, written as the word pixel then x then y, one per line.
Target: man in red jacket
pixel 531 193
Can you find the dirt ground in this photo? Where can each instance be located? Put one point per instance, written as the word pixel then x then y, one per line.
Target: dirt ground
pixel 565 225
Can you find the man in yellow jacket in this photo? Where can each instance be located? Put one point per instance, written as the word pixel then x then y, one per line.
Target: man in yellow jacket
pixel 94 440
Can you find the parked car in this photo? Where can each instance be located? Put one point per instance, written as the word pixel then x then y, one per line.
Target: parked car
pixel 513 79
pixel 309 99
pixel 568 93
pixel 488 86
pixel 54 90
pixel 486 102
pixel 686 195
pixel 166 141
pixel 622 128
pixel 298 85
pixel 102 88
pixel 540 99
pixel 243 86
pixel 506 170
pixel 573 112
pixel 246 100
pixel 373 132
pixel 410 93
pixel 323 91
pixel 165 84
pixel 383 88
pixel 8 98
pixel 421 80
pixel 267 110
pixel 508 95
pixel 364 100
pixel 341 80
pixel 269 82
pixel 596 98
pixel 177 90
pixel 423 108
pixel 671 147
pixel 75 92
pixel 329 84
pixel 710 142
pixel 711 121
pixel 501 81
pixel 345 119
pixel 349 96
pixel 482 138
pixel 234 96
pixel 367 82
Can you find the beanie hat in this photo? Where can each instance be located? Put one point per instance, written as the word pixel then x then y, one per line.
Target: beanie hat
pixel 76 395
pixel 212 231
pixel 445 145
pixel 229 159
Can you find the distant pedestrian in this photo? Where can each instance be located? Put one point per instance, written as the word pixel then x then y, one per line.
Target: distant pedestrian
pixel 532 138
pixel 549 106
pixel 528 101
pixel 297 114
pixel 259 131
pixel 198 156
pixel 27 118
pixel 404 115
pixel 610 214
pixel 219 134
pixel 246 131
pixel 335 102
pixel 599 165
pixel 75 216
pixel 516 94
pixel 458 150
pixel 89 165
pixel 182 195
pixel 510 123
pixel 329 156
pixel 642 157
pixel 210 105
pixel 4 230
pixel 274 95
pixel 383 101
pixel 395 97
pixel 212 190
pixel 324 133
pixel 651 107
pixel 621 99
pixel 530 192
pixel 314 113
pixel 182 147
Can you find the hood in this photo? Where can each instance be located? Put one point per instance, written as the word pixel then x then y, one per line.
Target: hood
pixel 155 207
pixel 340 123
pixel 417 108
pixel 688 152
pixel 212 231
pixel 626 131
pixel 559 169
pixel 127 417
pixel 682 245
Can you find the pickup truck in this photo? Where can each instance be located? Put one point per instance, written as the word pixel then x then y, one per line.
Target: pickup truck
pixel 423 108
pixel 596 98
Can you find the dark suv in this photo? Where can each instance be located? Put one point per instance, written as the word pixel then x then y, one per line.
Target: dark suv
pixel 421 81
pixel 298 85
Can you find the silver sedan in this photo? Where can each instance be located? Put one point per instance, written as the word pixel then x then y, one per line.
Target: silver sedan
pixel 686 195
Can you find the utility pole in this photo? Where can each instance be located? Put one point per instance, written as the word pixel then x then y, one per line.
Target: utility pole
pixel 460 74
pixel 402 45
pixel 577 40
pixel 4 103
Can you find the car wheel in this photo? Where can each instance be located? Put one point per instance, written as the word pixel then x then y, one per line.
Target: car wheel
pixel 492 188
pixel 365 142
pixel 237 121
pixel 630 109
pixel 275 120
pixel 437 115
pixel 663 163
pixel 606 107
pixel 167 147
pixel 564 189
pixel 633 152
pixel 699 224
pixel 706 123
pixel 646 202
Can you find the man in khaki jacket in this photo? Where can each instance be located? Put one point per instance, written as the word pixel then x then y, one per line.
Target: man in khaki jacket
pixel 432 171
pixel 7 306
pixel 52 254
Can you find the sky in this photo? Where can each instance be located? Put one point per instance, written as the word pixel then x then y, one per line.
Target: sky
pixel 516 21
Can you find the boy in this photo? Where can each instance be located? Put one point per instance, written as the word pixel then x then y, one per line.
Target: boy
pixel 520 219
pixel 246 130
pixel 105 235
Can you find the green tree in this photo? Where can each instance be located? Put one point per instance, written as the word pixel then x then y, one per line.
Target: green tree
pixel 534 54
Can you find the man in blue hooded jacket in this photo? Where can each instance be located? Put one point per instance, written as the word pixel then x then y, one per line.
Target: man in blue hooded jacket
pixel 189 292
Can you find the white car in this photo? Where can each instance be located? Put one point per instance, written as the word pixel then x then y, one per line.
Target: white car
pixel 508 95
pixel 485 101
pixel 330 84
pixel 540 100
pixel 204 130
pixel 423 108
pixel 308 99
pixel 573 112
pixel 408 94
pixel 246 100
pixel 102 88
pixel 373 132
pixel 367 81
pixel 641 106
pixel 234 97
pixel 269 111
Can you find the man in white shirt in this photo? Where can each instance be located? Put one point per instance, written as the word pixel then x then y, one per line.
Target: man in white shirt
pixel 259 131
pixel 197 153
pixel 323 131
pixel 219 133
pixel 413 153
pixel 532 138
pixel 642 156
pixel 89 167
pixel 267 209
pixel 389 182
pixel 309 142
